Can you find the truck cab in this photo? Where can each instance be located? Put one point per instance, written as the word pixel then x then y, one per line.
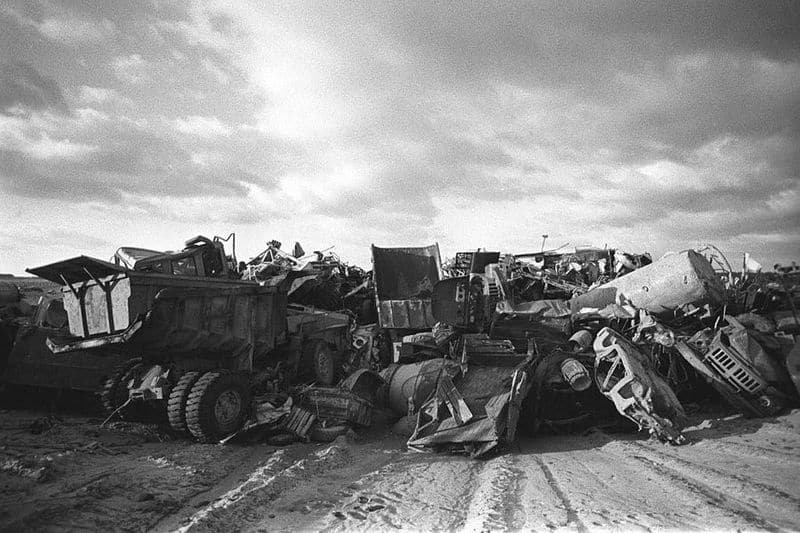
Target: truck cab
pixel 201 257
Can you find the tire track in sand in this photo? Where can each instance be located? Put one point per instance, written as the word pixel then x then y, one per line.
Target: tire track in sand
pixel 736 447
pixel 713 496
pixel 442 495
pixel 495 503
pixel 572 513
pixel 745 481
pixel 418 492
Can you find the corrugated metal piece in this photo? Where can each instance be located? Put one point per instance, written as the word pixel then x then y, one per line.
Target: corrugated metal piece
pixel 406 314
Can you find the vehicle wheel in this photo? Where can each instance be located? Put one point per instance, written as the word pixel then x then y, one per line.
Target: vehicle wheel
pixel 178 396
pixel 115 389
pixel 322 361
pixel 329 434
pixel 217 405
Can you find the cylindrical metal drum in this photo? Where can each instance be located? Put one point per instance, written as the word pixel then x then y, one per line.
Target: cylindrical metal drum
pixel 575 374
pixel 413 381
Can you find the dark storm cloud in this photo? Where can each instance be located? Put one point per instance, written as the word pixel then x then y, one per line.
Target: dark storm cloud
pixel 660 80
pixel 23 86
pixel 655 204
pixel 601 54
pixel 128 161
pixel 728 95
pixel 576 44
pixel 111 176
pixel 20 175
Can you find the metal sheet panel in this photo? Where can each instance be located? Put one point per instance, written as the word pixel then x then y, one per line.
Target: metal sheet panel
pixel 81 268
pixel 404 281
pixel 405 273
pixel 406 314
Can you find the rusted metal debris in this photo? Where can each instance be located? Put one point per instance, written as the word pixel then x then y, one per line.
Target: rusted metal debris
pixel 290 345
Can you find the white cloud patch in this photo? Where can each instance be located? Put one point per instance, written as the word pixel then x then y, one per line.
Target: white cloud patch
pixel 131 68
pixel 17 135
pixel 101 95
pixel 71 30
pixel 202 126
pixel 46 148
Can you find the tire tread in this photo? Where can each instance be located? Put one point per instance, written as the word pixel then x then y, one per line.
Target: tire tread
pixel 113 382
pixel 178 398
pixel 200 416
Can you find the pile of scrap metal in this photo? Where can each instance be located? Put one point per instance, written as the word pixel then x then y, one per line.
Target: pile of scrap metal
pixel 312 413
pixel 648 332
pixel 468 405
pixel 549 274
pixel 192 339
pixel 467 352
pixel 318 279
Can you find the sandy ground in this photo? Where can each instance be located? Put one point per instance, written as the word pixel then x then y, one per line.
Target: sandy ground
pixel 736 474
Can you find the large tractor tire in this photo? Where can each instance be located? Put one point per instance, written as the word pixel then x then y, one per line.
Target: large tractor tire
pixel 178 397
pixel 322 360
pixel 217 405
pixel 115 388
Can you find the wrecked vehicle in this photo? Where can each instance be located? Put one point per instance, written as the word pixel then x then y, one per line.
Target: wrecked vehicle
pixel 733 361
pixel 196 346
pixel 30 362
pixel 201 257
pixel 28 316
pixel 627 378
pixel 553 341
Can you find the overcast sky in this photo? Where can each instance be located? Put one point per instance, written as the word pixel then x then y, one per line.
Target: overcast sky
pixel 646 126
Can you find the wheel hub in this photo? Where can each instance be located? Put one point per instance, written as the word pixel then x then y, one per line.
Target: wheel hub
pixel 227 407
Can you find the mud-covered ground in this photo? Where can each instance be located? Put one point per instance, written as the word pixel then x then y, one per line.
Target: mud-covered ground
pixel 59 470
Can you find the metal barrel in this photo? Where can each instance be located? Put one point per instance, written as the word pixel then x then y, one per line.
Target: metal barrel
pixel 575 374
pixel 413 381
